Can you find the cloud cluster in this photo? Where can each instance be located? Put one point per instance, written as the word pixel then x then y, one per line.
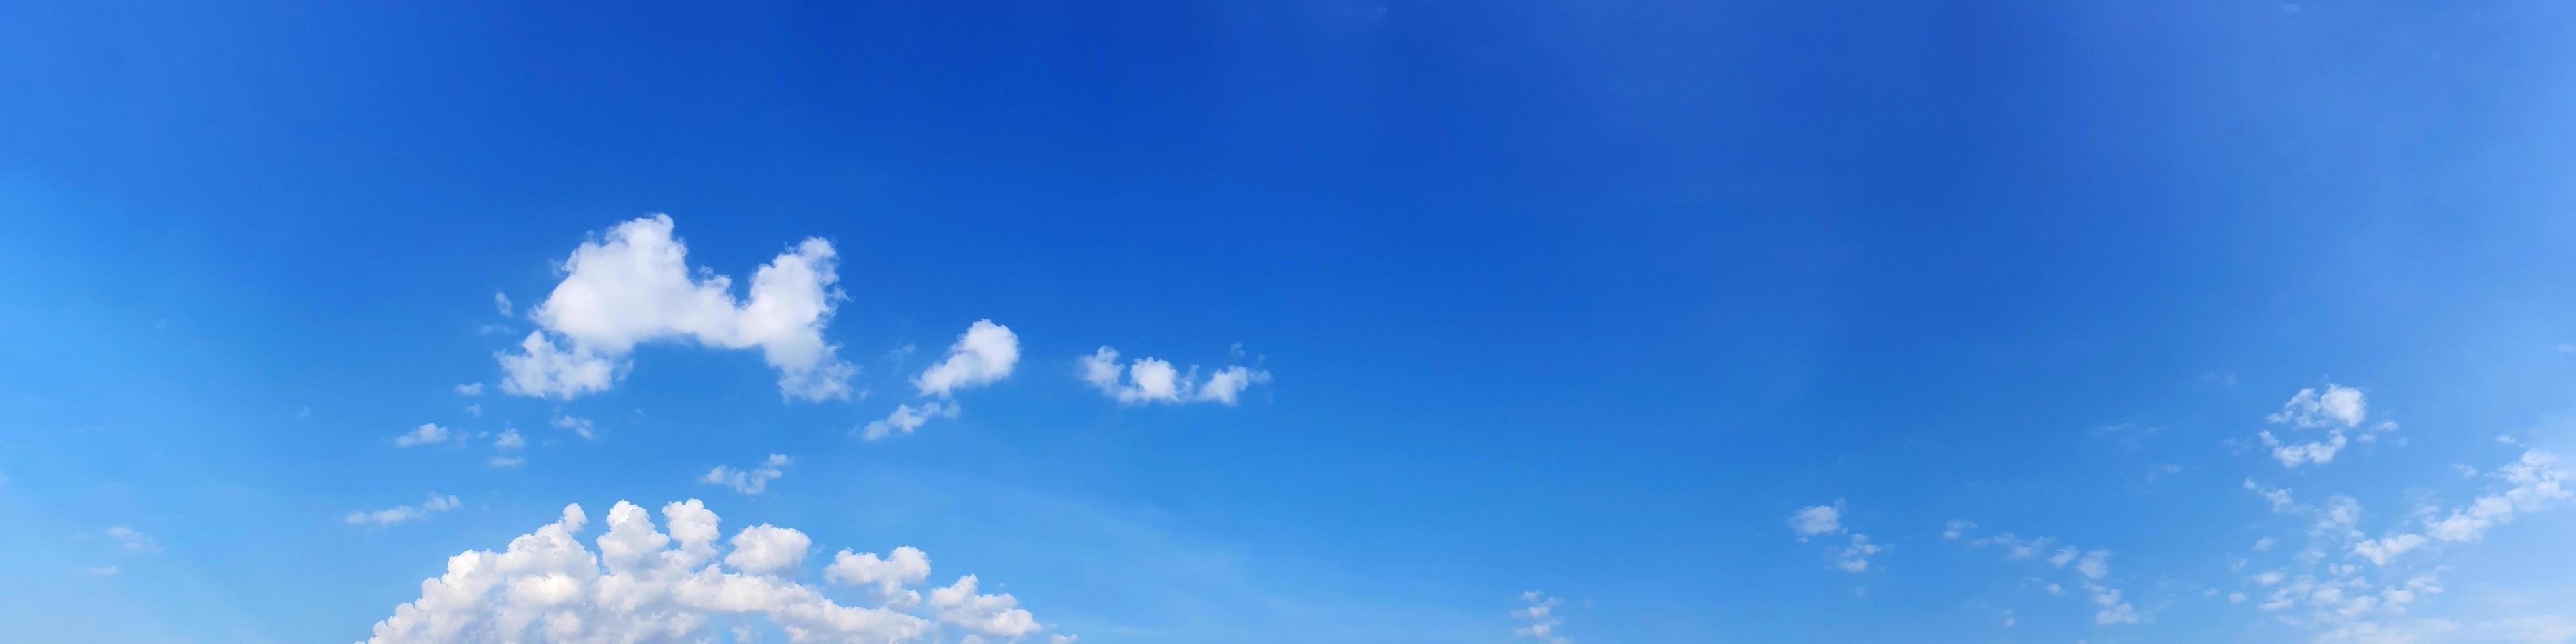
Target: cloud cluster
pixel 645 585
pixel 1541 615
pixel 2338 410
pixel 634 286
pixel 2347 586
pixel 984 355
pixel 1152 380
pixel 2091 568
pixel 1819 520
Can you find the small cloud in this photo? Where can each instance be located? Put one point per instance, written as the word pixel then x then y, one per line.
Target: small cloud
pixel 983 355
pixel 907 418
pixel 470 389
pixel 506 462
pixel 131 539
pixel 501 303
pixel 579 426
pixel 751 481
pixel 474 410
pixel 425 434
pixel 1152 380
pixel 404 513
pixel 510 439
pixel 2220 378
pixel 102 570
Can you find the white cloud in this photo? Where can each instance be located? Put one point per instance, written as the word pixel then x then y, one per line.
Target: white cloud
pixel 1543 621
pixel 2338 410
pixel 475 410
pixel 905 566
pixel 404 513
pixel 634 286
pixel 907 418
pixel 768 550
pixel 579 426
pixel 1956 527
pixel 982 356
pixel 510 439
pixel 425 434
pixel 2091 568
pixel 470 389
pixel 1152 380
pixel 542 370
pixel 751 481
pixel 101 570
pixel 989 615
pixel 501 303
pixel 645 585
pixel 1817 519
pixel 133 540
pixel 506 462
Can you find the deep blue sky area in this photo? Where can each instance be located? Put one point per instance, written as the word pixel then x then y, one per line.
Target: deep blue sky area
pixel 2062 321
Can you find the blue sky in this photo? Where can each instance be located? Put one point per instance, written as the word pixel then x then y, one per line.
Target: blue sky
pixel 1718 322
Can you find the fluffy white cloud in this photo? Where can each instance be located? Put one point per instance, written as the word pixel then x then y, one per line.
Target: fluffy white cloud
pixel 751 481
pixel 905 566
pixel 984 355
pixel 907 418
pixel 542 370
pixel 1816 520
pixel 1541 614
pixel 645 585
pixel 2336 406
pixel 635 286
pixel 768 550
pixel 425 434
pixel 404 513
pixel 987 615
pixel 2338 410
pixel 470 389
pixel 1152 380
pixel 510 439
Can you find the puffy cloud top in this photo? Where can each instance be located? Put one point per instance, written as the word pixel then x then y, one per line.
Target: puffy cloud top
pixel 645 585
pixel 635 286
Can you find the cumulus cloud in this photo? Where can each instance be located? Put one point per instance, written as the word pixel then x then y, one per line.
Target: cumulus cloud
pixel 1541 615
pixel 645 585
pixel 470 389
pixel 425 434
pixel 984 355
pixel 751 481
pixel 404 513
pixel 907 418
pixel 2338 410
pixel 1152 380
pixel 634 286
pixel 1819 520
pixel 510 439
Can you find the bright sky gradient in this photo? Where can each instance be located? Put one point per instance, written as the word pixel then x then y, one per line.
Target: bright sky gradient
pixel 1437 322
